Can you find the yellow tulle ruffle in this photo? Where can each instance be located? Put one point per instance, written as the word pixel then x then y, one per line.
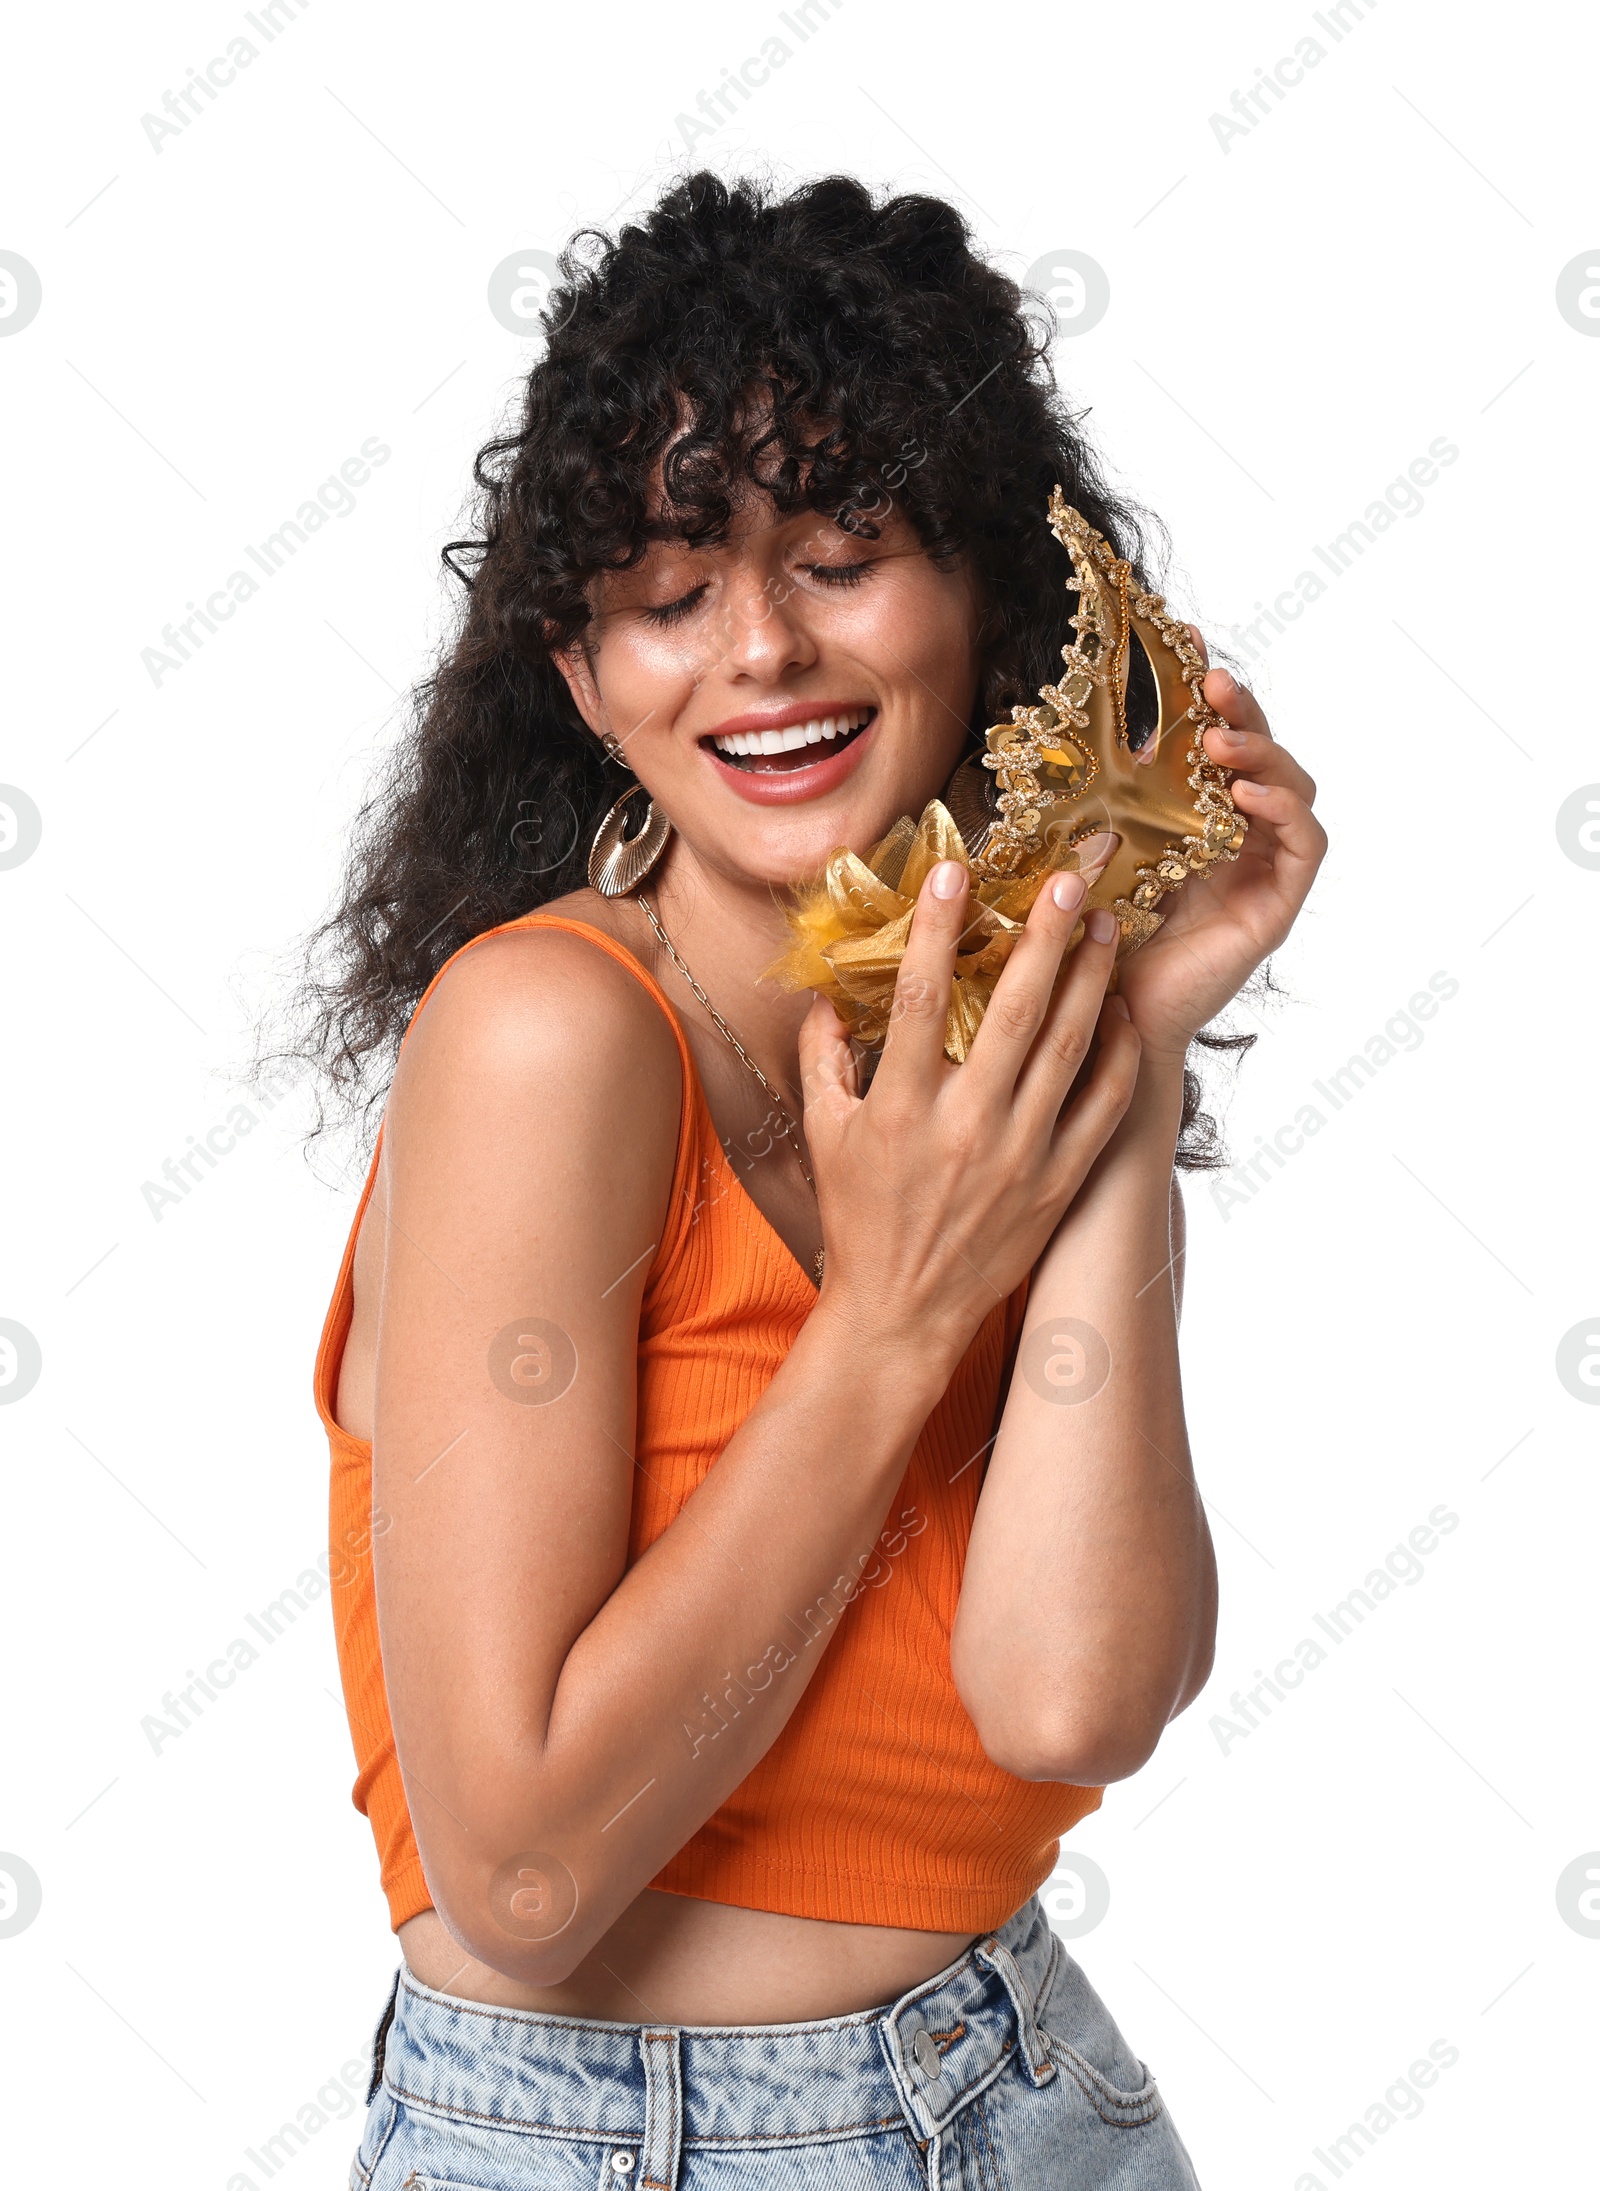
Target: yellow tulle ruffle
pixel 852 925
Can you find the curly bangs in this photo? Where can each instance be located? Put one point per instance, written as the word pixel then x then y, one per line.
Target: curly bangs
pixel 827 351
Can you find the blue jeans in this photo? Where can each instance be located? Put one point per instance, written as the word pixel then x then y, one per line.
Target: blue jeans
pixel 1003 2073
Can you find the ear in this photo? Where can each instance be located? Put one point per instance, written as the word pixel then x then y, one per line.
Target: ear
pixel 576 667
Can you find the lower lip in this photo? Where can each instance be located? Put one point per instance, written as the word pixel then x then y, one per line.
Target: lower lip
pixel 788 786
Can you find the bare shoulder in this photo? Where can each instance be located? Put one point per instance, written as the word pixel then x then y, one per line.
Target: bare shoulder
pixel 535 1114
pixel 542 1013
pixel 529 1139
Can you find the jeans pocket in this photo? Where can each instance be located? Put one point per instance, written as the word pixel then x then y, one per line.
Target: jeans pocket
pixel 1086 2045
pixel 375 2135
pixel 1126 2108
pixel 415 2149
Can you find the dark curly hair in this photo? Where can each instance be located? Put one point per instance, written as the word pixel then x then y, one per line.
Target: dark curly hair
pixel 823 347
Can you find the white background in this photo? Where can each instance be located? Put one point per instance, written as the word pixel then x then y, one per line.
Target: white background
pixel 1293 319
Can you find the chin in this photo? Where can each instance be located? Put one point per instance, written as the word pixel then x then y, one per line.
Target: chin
pixel 779 846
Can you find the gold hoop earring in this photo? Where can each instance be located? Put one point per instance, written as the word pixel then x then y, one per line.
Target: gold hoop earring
pixel 618 863
pixel 968 795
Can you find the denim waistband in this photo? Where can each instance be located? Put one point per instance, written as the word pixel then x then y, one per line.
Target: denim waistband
pixel 661 2088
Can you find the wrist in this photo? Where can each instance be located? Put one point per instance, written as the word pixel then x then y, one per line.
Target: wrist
pixel 1156 1109
pixel 899 1364
pixel 1163 1050
pixel 1139 1156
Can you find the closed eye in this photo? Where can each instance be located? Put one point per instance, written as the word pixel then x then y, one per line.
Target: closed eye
pixel 838 574
pixel 673 612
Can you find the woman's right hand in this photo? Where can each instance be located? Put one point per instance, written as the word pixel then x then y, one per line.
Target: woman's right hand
pixel 940 1188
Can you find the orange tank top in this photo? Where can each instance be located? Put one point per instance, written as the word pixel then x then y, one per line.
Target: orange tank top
pixel 877 1804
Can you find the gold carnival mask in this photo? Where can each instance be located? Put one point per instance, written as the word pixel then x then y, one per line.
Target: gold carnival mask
pixel 1064 770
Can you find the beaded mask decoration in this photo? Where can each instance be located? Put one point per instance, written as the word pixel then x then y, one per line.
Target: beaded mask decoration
pixel 1114 745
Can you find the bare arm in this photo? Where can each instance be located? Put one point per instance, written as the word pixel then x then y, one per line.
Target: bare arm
pixel 1088 1605
pixel 556 1713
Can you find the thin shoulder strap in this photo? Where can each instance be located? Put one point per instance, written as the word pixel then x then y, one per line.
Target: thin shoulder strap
pixel 623 957
pixel 693 1099
pixel 694 1118
pixel 590 934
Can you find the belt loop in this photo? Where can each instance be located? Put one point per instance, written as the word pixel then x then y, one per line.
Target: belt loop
pixel 1001 1961
pixel 663 2110
pixel 380 2039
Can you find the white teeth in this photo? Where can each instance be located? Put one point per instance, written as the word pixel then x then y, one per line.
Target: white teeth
pixel 820 729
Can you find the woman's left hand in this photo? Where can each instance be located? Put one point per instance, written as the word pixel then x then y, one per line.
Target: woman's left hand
pixel 1221 925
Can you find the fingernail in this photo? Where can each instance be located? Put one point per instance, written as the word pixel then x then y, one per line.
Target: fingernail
pixel 1068 891
pixel 1101 925
pixel 1227 731
pixel 1095 851
pixel 948 879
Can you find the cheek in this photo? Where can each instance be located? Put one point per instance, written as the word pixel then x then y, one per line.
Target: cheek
pixel 922 635
pixel 637 669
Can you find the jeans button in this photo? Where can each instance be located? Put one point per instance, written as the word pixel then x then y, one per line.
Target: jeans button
pixel 926 2053
pixel 622 2164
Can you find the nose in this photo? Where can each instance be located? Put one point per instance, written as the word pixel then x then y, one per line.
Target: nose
pixel 764 636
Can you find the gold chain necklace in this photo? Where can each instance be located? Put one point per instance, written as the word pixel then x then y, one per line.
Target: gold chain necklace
pixel 791 1129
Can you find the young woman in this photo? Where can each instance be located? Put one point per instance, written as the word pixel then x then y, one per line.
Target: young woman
pixel 725 1653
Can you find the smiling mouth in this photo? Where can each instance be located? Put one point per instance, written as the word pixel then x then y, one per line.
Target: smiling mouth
pixel 801 745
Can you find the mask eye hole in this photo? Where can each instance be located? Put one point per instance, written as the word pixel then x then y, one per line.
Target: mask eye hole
pixel 1143 705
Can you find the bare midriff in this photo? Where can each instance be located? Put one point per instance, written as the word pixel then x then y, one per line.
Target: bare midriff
pixel 670 1959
